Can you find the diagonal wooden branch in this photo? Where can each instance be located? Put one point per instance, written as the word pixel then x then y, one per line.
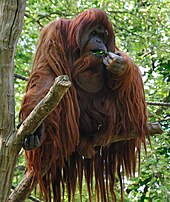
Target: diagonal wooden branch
pixel 41 111
pixel 25 187
pixel 30 124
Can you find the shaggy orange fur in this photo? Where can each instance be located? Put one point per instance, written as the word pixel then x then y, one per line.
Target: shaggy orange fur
pixel 119 108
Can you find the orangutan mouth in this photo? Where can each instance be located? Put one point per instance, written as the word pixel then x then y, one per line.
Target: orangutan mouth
pixel 99 52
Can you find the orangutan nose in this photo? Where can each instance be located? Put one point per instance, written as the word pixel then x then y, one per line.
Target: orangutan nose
pixel 98 41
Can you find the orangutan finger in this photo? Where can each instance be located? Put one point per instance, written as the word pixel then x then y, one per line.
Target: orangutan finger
pixel 26 143
pixel 31 142
pixel 36 141
pixel 115 57
pixel 105 61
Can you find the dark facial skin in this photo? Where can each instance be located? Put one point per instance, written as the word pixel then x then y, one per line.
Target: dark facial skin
pixel 95 40
pixel 92 79
pixel 98 37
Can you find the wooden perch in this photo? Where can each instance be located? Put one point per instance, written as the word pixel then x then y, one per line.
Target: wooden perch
pixel 42 110
pixel 25 188
pixel 87 150
pixel 155 128
pixel 30 124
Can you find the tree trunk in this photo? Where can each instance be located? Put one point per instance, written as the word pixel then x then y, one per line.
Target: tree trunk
pixel 11 19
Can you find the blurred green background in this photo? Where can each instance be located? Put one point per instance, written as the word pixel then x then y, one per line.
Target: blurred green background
pixel 142 29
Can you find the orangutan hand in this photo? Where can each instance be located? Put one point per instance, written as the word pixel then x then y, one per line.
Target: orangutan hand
pixel 33 141
pixel 114 62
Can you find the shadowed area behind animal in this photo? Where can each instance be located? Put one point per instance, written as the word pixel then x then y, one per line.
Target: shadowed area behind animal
pixel 106 99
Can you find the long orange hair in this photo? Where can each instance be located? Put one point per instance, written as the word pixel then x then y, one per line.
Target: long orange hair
pixel 120 106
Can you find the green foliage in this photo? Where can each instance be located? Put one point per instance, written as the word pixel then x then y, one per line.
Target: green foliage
pixel 153 181
pixel 19 170
pixel 142 29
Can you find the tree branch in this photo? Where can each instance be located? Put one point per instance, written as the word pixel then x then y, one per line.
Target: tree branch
pixel 153 128
pixel 18 76
pixel 25 187
pixel 42 110
pixel 28 183
pixel 30 124
pixel 164 104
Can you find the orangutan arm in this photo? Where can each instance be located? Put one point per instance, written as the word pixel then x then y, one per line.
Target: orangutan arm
pixel 38 86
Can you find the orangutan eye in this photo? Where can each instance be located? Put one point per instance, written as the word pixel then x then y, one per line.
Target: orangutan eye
pixel 94 33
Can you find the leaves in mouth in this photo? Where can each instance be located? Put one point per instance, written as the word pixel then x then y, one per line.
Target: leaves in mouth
pixel 100 52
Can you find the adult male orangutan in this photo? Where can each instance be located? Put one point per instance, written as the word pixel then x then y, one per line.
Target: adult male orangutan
pixel 106 100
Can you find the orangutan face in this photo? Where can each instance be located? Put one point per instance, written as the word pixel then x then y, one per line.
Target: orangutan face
pixel 95 40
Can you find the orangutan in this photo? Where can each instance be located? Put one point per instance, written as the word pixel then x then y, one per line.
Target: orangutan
pixel 106 100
